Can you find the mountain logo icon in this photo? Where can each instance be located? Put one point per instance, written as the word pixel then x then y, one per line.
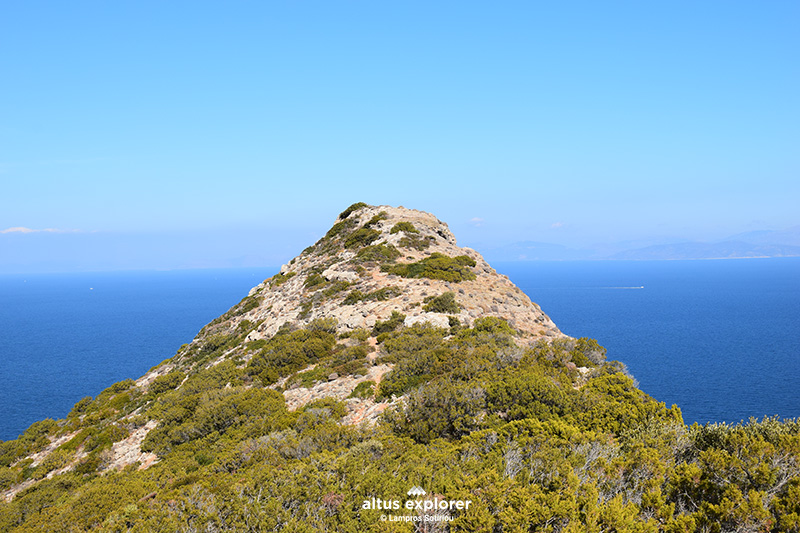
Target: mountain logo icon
pixel 416 491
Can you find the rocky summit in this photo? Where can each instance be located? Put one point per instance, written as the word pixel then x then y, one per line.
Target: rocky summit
pixel 359 274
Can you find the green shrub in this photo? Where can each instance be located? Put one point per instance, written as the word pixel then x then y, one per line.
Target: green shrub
pixel 455 325
pixel 412 340
pixel 88 465
pixel 377 253
pixel 94 439
pixel 490 331
pixel 444 303
pixel 383 215
pixel 216 344
pixel 118 402
pixel 354 297
pixel 391 324
pixel 406 227
pixel 336 287
pixel 104 439
pixel 40 429
pixel 526 394
pixel 493 324
pixel 316 348
pixel 214 377
pixel 335 408
pixel 217 411
pixel 349 353
pixel 419 353
pixel 305 309
pixel 612 402
pixel 314 280
pixel 357 367
pixel 439 409
pixel 365 389
pixel 255 345
pixel 339 228
pixel 378 295
pixel 310 377
pixel 436 266
pixel 203 458
pixel 249 303
pixel 244 326
pixel 416 242
pixel 383 294
pixel 327 325
pixel 361 237
pixel 279 279
pixel 119 387
pixel 80 407
pixel 360 334
pixel 166 382
pixel 588 352
pixel 34 439
pixel 355 207
pixel 286 353
pixel 8 477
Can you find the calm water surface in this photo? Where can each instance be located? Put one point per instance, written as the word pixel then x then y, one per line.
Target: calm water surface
pixel 719 338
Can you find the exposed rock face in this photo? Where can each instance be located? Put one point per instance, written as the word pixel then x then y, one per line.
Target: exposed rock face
pixel 305 288
pixel 128 451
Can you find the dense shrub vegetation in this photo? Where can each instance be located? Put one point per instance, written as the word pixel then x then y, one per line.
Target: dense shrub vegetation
pixel 381 294
pixel 383 215
pixel 416 242
pixel 436 266
pixel 548 437
pixel 288 352
pixel 355 207
pixel 388 325
pixel 444 303
pixel 362 237
pixel 404 226
pixel 279 279
pixel 377 253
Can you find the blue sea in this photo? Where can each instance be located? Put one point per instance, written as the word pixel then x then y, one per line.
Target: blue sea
pixel 66 336
pixel 721 339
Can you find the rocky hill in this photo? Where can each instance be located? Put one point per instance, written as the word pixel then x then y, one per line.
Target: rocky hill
pixel 356 275
pixel 388 380
pixel 354 279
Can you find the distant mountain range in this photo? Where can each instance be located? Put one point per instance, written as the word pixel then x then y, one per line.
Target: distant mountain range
pixel 766 243
pixel 703 250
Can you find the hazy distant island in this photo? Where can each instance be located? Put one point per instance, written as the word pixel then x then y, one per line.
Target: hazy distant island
pixel 387 379
pixel 754 244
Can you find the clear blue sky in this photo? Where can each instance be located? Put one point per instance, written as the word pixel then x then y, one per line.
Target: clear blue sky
pixel 173 134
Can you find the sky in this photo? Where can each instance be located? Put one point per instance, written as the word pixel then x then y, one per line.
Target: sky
pixel 207 134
